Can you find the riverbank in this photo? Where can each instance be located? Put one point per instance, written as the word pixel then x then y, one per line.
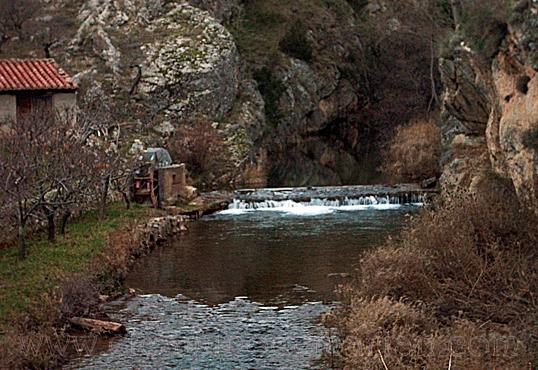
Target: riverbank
pixel 244 289
pixel 458 289
pixel 70 277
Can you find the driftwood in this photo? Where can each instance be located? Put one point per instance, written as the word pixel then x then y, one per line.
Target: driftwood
pixel 98 326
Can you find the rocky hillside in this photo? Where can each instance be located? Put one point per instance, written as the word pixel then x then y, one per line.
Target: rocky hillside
pixel 490 108
pixel 286 83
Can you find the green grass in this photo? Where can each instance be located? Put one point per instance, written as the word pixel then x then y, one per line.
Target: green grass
pixel 23 282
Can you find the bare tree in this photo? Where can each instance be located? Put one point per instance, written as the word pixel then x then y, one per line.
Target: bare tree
pixel 25 180
pixel 13 16
pixel 46 167
pixel 115 166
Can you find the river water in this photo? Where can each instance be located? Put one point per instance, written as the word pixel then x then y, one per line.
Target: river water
pixel 244 289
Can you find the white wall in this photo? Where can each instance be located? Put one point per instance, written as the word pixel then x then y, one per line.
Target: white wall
pixel 65 104
pixel 8 107
pixel 64 101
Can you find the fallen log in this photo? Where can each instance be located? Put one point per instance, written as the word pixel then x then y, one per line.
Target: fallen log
pixel 98 326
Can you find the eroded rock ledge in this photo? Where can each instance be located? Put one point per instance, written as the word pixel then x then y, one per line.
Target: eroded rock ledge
pixel 490 112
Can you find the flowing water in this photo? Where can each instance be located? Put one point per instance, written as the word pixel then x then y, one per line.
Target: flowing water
pixel 245 287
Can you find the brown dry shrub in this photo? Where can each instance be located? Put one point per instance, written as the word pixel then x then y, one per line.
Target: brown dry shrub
pixel 43 349
pixel 79 296
pixel 471 266
pixel 475 254
pixel 202 148
pixel 406 336
pixel 414 152
pixel 123 246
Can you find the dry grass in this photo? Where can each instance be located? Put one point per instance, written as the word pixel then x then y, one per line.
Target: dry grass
pixel 414 152
pixel 461 284
pixel 382 331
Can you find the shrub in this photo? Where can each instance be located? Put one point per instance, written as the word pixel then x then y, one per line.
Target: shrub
pixel 295 43
pixel 203 150
pixel 400 335
pixel 358 5
pixel 414 152
pixel 484 24
pixel 465 272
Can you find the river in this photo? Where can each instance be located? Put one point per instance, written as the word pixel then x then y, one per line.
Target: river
pixel 244 289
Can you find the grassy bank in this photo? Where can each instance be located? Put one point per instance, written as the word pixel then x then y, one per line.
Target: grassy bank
pixel 35 293
pixel 459 289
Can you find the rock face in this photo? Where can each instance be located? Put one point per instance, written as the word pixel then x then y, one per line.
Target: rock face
pixel 514 119
pixel 490 112
pixel 310 149
pixel 194 66
pixel 465 113
pixel 171 62
pixel 314 140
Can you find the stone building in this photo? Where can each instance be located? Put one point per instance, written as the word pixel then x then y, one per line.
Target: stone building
pixel 160 181
pixel 28 85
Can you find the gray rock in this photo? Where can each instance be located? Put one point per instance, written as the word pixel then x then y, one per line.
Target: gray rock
pixel 194 69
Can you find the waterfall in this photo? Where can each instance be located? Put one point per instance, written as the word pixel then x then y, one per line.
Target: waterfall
pixel 379 201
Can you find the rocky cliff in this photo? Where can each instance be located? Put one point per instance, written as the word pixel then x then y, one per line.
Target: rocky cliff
pixel 281 81
pixel 285 83
pixel 490 109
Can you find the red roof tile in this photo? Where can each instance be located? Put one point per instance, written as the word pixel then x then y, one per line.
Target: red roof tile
pixel 33 74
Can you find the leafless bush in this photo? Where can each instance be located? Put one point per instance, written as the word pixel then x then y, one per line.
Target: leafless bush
pixel 414 152
pixel 202 148
pixel 122 245
pixel 41 349
pixel 466 271
pixel 78 295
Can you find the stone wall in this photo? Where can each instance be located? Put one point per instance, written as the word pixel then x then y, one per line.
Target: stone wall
pixel 64 101
pixel 172 184
pixel 8 107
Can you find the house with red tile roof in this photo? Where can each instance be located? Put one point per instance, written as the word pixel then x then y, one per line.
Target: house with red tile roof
pixel 28 85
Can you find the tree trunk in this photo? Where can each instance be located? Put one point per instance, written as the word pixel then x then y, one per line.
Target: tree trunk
pixel 127 200
pixel 98 326
pixel 51 227
pixel 22 245
pixel 65 218
pixel 104 197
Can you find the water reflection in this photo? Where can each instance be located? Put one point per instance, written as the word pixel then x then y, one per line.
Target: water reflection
pixel 270 257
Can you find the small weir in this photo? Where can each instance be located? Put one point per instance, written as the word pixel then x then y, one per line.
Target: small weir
pixel 245 287
pixel 358 203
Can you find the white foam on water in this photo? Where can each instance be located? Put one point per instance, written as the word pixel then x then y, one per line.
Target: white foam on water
pixel 234 211
pixel 379 207
pixel 320 206
pixel 309 210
